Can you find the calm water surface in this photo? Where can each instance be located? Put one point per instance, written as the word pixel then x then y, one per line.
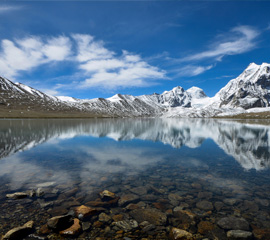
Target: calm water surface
pixel 210 168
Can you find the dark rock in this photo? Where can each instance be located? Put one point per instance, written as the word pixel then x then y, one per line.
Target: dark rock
pixel 126 225
pixel 19 232
pixel 262 202
pixel 153 216
pixel 184 216
pixel 251 206
pixel 71 192
pixel 204 205
pixel 148 228
pixel 205 227
pixel 99 203
pixel 149 197
pixel 128 198
pixel 44 229
pixel 118 217
pixel 231 201
pixel 59 222
pixel 57 211
pixel 262 234
pixel 218 205
pixel 103 217
pixel 73 230
pixel 139 190
pixel 205 195
pixel 86 226
pixel 233 223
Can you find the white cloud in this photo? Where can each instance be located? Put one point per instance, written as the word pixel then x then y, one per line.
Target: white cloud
pixel 28 53
pixel 88 49
pixel 239 40
pixel 96 64
pixel 127 71
pixel 57 49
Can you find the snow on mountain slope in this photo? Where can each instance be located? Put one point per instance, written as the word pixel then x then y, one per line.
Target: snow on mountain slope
pixel 250 90
pixel 67 99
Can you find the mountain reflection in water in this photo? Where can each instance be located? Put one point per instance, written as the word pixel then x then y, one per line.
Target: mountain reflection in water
pixel 247 143
pixel 154 166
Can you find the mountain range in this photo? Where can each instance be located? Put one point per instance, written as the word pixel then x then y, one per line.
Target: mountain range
pixel 249 93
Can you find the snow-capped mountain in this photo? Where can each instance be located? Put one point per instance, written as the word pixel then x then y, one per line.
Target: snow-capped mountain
pixel 251 89
pixel 246 93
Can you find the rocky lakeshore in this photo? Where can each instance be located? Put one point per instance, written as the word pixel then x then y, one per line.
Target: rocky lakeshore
pixel 168 204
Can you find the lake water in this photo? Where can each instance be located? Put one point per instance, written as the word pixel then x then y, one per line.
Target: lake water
pixel 183 173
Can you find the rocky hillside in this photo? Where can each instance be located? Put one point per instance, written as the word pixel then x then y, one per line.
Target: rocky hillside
pixel 251 89
pixel 244 94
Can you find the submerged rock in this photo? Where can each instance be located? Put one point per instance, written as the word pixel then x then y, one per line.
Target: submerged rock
pixel 86 226
pixel 218 205
pixel 262 234
pixel 153 216
pixel 139 190
pixel 19 232
pixel 59 222
pixel 204 205
pixel 127 198
pixel 184 216
pixel 231 201
pixel 73 230
pixel 126 225
pixel 84 211
pixel 205 227
pixel 107 195
pixel 233 223
pixel 103 217
pixel 239 234
pixel 180 234
pixel 17 195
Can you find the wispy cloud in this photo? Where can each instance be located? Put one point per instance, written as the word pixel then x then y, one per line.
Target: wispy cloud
pixel 97 65
pixel 8 8
pixel 193 70
pixel 239 40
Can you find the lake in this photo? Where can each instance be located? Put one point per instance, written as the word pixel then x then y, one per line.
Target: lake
pixel 204 176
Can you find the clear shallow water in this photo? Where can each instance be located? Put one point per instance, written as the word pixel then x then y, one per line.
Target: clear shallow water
pixel 174 162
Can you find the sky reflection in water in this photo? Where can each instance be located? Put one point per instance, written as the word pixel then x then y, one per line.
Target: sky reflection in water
pixel 64 151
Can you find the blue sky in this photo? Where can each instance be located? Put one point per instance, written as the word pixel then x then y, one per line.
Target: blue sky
pixel 92 49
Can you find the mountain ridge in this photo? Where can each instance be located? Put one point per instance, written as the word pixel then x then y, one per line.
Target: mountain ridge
pixel 250 90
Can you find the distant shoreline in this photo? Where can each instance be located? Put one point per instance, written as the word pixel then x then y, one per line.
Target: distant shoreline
pixel 41 115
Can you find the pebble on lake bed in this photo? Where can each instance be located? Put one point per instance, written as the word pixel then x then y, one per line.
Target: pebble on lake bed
pixel 73 230
pixel 107 195
pixel 84 211
pixel 180 234
pixel 17 195
pixel 19 232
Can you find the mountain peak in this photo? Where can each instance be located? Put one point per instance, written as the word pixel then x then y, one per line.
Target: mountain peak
pixel 196 92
